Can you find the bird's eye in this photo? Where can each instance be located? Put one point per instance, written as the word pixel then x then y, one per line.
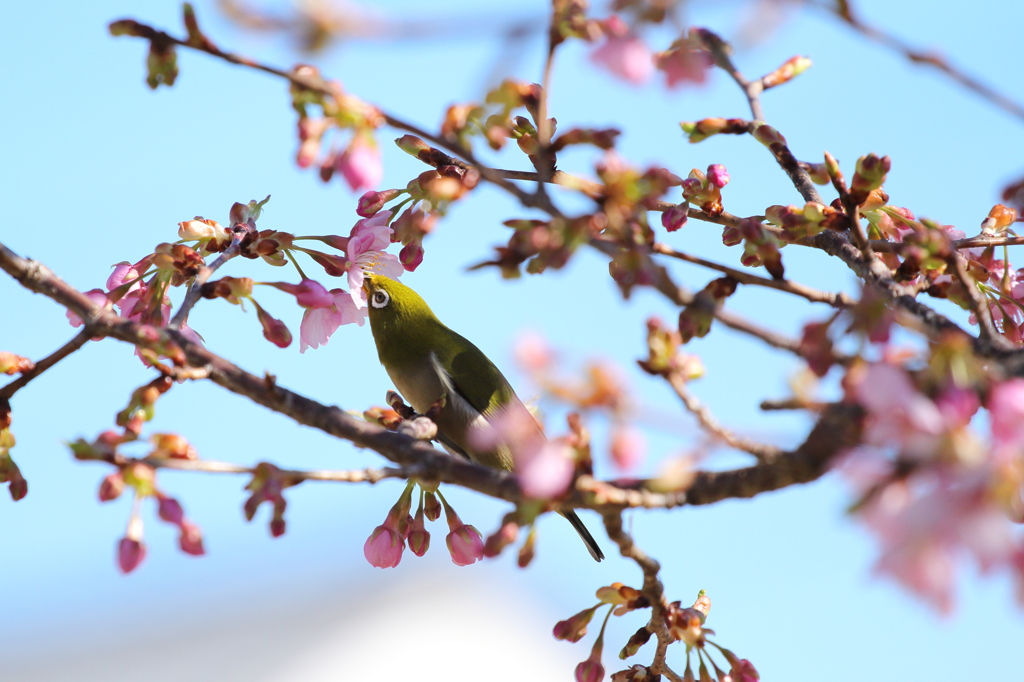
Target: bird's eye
pixel 380 299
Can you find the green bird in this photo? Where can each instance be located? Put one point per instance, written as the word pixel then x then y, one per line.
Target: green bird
pixel 427 361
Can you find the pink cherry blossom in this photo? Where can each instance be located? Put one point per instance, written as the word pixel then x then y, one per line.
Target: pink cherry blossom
pixel 926 523
pixel 365 251
pixel 1006 408
pixel 628 447
pixel 683 65
pixel 97 296
pixel 384 547
pixel 533 353
pixel 319 323
pixel 360 163
pixel 544 468
pixel 623 53
pixel 899 414
pixel 123 272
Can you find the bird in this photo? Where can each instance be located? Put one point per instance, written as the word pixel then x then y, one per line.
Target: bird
pixel 431 365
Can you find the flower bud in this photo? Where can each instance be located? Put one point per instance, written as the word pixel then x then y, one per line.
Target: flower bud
pixel 573 629
pixel 431 507
pixel 412 145
pixel 501 539
pixel 191 539
pixel 111 487
pixel 169 509
pixel 674 218
pixel 130 554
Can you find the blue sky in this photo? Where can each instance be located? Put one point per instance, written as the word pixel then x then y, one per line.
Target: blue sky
pixel 96 169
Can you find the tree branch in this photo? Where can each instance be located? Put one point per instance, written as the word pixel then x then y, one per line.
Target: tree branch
pixel 46 363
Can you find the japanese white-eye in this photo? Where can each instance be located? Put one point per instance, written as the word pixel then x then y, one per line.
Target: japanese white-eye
pixel 427 361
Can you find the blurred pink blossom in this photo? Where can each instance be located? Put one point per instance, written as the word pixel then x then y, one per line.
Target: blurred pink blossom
pixel 624 54
pixel 130 553
pixel 628 447
pixel 360 163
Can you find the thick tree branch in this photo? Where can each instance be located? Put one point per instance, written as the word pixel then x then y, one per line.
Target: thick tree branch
pixel 836 430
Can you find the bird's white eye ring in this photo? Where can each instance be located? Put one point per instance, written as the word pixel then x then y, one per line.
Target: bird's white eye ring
pixel 380 299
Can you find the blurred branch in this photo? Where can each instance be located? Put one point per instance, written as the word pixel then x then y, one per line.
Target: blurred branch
pixel 46 363
pixel 843 10
pixel 296 475
pixel 762 451
pixel 840 300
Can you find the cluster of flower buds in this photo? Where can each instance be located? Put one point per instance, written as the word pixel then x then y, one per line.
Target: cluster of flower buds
pixel 760 246
pixel 796 223
pixel 141 406
pixel 359 163
pixel 681 624
pixel 869 176
pixel 705 189
pixel 140 475
pixel 267 485
pixel 387 542
pixel 627 196
pixel 162 60
pixel 11 364
pixel 543 244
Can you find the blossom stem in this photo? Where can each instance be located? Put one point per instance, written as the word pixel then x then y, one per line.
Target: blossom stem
pixel 46 363
pixel 295 262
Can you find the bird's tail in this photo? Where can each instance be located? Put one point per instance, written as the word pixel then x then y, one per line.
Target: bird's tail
pixel 585 535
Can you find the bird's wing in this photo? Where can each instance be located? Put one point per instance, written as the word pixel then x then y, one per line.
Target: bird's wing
pixel 475 378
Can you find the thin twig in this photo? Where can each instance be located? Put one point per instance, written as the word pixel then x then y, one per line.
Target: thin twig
pixel 977 302
pixel 840 300
pixel 844 12
pixel 215 467
pixel 46 363
pixel 195 291
pixel 762 451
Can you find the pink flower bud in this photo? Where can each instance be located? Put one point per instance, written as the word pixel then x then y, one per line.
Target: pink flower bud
pixel 169 509
pixel 743 671
pixel 191 539
pixel 590 671
pixel 373 201
pixel 674 218
pixel 504 537
pixel 130 554
pixel 111 487
pixel 274 330
pixel 431 507
pixel 717 175
pixel 466 545
pixel 384 547
pixel 575 628
pixel 419 537
pixel 411 256
pixel 628 447
pixel 412 145
pixel 277 527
